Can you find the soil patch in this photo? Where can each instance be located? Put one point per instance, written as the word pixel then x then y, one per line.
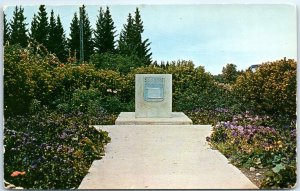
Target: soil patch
pixel 256 177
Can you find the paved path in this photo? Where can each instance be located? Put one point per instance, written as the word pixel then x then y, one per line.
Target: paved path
pixel 162 157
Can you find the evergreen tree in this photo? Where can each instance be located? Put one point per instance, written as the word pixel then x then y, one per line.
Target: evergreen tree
pixel 57 40
pixel 143 49
pixel 138 27
pixel 130 42
pixel 52 35
pixel 88 45
pixel 99 32
pixel 33 28
pixel 18 28
pixel 126 43
pixel 6 30
pixel 41 34
pixel 60 41
pixel 105 32
pixel 73 41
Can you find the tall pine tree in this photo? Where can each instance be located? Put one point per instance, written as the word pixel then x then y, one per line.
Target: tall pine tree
pixel 99 32
pixel 60 41
pixel 88 44
pixel 131 43
pixel 52 35
pixel 73 41
pixel 105 32
pixel 6 31
pixel 143 49
pixel 18 28
pixel 41 34
pixel 33 28
pixel 126 41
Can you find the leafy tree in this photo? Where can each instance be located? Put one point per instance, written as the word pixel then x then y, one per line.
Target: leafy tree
pixel 18 27
pixel 229 73
pixel 105 32
pixel 73 41
pixel 116 62
pixel 41 34
pixel 6 30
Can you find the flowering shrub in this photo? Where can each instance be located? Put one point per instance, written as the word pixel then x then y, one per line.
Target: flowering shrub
pixel 29 75
pixel 49 150
pixel 91 103
pixel 26 76
pixel 259 141
pixel 271 89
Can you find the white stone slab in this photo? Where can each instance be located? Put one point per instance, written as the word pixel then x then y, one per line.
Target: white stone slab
pixel 162 157
pixel 177 118
pixel 153 95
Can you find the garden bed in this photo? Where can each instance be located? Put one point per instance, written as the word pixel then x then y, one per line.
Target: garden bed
pixel 259 144
pixel 50 150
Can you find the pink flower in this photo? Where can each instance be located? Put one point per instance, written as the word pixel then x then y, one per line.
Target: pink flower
pixel 17 173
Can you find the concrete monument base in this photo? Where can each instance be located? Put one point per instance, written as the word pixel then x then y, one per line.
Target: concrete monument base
pixel 177 118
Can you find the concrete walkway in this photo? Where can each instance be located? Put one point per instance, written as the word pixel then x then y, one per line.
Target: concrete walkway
pixel 162 157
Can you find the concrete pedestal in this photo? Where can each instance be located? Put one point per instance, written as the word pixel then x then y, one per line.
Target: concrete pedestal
pixel 177 118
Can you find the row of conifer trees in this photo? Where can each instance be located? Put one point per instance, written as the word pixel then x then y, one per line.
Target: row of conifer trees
pixel 102 39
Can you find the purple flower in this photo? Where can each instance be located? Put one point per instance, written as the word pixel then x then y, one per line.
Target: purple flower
pixel 240 128
pixel 234 133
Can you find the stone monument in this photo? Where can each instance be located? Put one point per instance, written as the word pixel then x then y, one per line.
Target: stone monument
pixel 153 95
pixel 153 103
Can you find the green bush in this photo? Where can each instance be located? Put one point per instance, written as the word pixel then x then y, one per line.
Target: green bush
pixel 193 88
pixel 53 151
pixel 270 89
pixel 91 103
pixel 27 76
pixel 121 63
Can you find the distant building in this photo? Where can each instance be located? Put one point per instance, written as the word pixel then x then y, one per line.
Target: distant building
pixel 254 67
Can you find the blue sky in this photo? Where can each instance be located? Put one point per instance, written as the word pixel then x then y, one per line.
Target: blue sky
pixel 209 35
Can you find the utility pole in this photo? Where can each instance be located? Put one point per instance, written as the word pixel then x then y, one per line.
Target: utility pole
pixel 81 35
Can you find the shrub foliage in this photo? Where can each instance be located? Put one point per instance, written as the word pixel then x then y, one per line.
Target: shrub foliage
pixel 271 89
